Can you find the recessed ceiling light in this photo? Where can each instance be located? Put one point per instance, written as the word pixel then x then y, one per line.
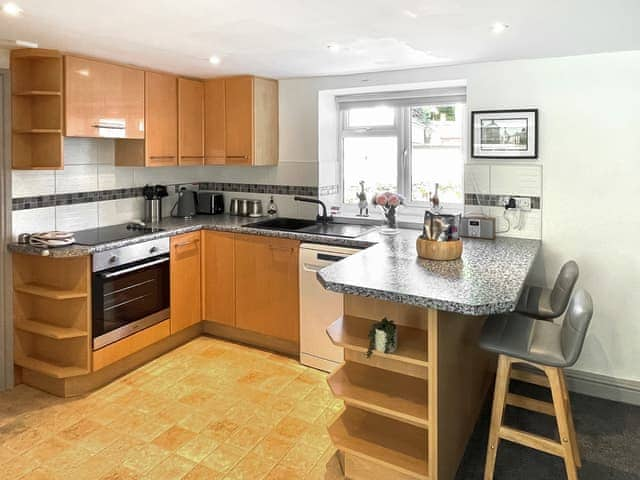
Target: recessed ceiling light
pixel 26 43
pixel 410 14
pixel 334 47
pixel 215 60
pixel 499 27
pixel 11 9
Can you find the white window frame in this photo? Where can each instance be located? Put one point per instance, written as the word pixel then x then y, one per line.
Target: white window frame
pixel 402 129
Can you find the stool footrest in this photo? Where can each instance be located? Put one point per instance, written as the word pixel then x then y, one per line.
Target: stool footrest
pixel 532 404
pixel 530 377
pixel 531 440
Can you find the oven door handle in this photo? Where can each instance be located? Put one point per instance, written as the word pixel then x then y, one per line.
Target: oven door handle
pixel 133 269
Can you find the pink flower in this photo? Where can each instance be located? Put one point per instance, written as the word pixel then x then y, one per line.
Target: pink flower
pixel 393 200
pixel 381 199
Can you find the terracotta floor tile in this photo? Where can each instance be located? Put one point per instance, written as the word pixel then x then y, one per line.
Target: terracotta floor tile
pixel 197 448
pixel 173 438
pixel 283 473
pixel 291 427
pixel 207 410
pixel 251 467
pixel 200 472
pixel 223 458
pixel 144 458
pixel 172 468
pixel 273 446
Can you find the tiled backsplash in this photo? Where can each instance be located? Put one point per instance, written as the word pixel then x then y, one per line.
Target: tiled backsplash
pixel 91 191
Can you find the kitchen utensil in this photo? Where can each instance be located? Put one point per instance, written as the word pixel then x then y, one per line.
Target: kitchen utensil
pixel 255 208
pixel 152 210
pixel 185 207
pixel 234 207
pixel 243 207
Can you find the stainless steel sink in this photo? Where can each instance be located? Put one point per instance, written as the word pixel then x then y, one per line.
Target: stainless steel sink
pixel 346 230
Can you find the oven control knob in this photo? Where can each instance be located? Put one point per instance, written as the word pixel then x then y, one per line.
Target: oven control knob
pixel 113 259
pixel 153 249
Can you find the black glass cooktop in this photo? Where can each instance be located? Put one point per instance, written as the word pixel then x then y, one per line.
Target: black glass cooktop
pixel 97 236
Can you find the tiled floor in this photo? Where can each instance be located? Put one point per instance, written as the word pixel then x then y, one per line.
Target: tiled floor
pixel 207 410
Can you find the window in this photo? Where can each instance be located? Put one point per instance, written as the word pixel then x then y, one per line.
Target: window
pixel 406 147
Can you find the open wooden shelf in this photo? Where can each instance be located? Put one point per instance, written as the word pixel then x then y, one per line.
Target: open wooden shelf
pixel 393 395
pixel 353 333
pixel 49 292
pixel 48 368
pixel 48 330
pixel 382 441
pixel 36 85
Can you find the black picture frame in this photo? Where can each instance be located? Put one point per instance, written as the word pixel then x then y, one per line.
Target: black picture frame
pixel 507 154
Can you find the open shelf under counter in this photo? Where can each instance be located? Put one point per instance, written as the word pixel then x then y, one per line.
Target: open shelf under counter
pixel 49 292
pixel 353 333
pixel 393 395
pixel 49 368
pixel 390 444
pixel 47 330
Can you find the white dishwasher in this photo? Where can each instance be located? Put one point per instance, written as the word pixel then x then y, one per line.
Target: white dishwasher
pixel 319 308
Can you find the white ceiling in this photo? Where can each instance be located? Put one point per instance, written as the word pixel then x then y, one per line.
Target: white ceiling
pixel 289 38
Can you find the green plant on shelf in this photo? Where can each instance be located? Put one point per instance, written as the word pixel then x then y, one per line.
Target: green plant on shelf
pixel 383 337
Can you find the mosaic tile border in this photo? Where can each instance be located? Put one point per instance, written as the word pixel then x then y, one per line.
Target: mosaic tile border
pixel 486 200
pixel 42 201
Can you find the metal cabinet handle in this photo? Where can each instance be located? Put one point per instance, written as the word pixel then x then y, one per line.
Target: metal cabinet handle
pixel 184 244
pixel 238 156
pixel 191 156
pixel 160 157
pixel 112 127
pixel 134 269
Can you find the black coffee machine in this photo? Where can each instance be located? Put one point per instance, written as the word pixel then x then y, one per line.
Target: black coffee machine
pixel 186 205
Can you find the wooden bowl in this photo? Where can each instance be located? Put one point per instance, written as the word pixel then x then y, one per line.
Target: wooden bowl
pixel 432 250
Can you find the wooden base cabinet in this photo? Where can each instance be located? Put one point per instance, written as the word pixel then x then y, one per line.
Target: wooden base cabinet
pixel 218 278
pixel 185 281
pixel 266 280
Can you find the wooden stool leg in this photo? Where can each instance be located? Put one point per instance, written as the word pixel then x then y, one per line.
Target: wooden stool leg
pixel 497 413
pixel 572 429
pixel 562 418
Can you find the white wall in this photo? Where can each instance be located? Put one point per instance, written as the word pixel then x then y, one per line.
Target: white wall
pixel 4 58
pixel 590 152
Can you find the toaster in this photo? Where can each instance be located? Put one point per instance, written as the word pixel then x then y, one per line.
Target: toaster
pixel 210 203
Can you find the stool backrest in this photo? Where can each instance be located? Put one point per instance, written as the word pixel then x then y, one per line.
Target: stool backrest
pixel 575 326
pixel 563 287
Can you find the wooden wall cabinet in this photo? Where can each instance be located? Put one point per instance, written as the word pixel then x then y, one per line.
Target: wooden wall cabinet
pixel 218 278
pixel 103 99
pixel 266 278
pixel 185 281
pixel 36 104
pixel 161 119
pixel 190 122
pixel 241 121
pixel 251 121
pixel 214 98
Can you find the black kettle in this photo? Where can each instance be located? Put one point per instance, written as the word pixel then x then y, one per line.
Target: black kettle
pixel 185 207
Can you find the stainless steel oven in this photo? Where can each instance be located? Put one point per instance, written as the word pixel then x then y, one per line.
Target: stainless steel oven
pixel 130 290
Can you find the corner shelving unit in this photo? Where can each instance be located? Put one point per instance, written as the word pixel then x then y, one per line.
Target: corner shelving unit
pixel 36 98
pixel 384 430
pixel 52 315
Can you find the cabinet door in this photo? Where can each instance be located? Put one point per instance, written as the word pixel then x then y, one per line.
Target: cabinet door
pixel 185 281
pixel 161 119
pixel 218 278
pixel 214 97
pixel 239 120
pixel 267 286
pixel 103 99
pixel 190 122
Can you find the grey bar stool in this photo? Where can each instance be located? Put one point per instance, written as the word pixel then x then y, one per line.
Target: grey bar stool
pixel 548 303
pixel 548 347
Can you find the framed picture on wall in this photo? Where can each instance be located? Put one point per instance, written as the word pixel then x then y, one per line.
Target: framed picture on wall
pixel 504 134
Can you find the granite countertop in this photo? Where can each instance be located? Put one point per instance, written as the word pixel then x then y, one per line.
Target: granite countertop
pixel 176 226
pixel 486 280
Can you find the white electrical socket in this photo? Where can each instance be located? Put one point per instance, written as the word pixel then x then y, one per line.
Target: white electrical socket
pixel 523 203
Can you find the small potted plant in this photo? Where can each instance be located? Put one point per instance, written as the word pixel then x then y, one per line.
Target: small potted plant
pixel 388 203
pixel 383 337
